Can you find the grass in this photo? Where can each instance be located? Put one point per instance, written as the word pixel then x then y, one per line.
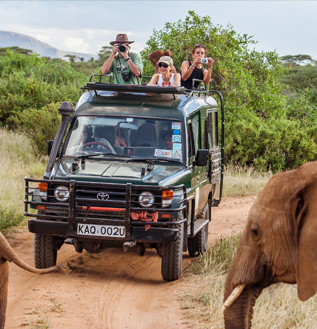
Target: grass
pixel 16 162
pixel 243 181
pixel 201 295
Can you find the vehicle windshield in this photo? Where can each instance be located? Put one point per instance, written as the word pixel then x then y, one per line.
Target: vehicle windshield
pixel 141 138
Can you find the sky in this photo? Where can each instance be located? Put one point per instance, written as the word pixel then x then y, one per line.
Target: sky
pixel 85 26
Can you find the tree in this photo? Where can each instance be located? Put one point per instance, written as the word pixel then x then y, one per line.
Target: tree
pixel 16 49
pixel 72 58
pixel 248 79
pixel 104 54
pixel 295 60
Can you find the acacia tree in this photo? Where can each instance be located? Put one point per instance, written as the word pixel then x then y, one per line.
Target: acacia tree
pixel 247 78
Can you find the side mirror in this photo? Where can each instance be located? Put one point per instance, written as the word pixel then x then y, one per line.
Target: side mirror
pixel 202 158
pixel 49 147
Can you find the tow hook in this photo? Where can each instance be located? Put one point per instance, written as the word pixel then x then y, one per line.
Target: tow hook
pixel 128 244
pixel 75 243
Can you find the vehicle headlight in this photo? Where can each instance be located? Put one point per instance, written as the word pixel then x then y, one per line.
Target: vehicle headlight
pixel 43 190
pixel 146 199
pixel 167 198
pixel 61 193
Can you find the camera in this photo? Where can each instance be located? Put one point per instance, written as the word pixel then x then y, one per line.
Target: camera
pixel 122 48
pixel 204 61
pixel 126 76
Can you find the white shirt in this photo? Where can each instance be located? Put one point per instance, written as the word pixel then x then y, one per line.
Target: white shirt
pixel 161 82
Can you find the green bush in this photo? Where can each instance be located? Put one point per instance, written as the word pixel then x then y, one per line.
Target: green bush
pixel 270 145
pixel 9 218
pixel 27 81
pixel 39 125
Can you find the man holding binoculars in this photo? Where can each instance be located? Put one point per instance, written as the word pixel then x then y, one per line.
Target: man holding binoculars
pixel 126 66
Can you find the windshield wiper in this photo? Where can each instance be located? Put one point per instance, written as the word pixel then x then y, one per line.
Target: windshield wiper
pixel 163 159
pixel 86 156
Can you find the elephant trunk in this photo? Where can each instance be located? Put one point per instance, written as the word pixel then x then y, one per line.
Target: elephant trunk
pixel 239 314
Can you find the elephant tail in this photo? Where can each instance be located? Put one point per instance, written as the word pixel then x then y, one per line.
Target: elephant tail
pixel 59 268
pixel 8 253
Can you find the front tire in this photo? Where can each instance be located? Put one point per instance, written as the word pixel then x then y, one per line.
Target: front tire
pixel 45 254
pixel 172 257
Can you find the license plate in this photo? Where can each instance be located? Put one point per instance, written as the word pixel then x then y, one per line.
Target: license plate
pixel 101 230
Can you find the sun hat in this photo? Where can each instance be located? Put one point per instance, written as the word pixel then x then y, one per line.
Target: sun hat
pixel 121 38
pixel 165 59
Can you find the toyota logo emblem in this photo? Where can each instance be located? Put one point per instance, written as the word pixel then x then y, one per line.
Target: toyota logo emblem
pixel 102 196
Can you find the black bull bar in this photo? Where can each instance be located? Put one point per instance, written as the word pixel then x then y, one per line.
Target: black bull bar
pixel 118 205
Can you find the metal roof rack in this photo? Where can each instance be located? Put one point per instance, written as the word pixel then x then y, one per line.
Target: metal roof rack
pixel 108 86
pixel 132 88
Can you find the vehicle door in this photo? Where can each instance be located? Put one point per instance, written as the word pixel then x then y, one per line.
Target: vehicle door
pixel 193 129
pixel 214 152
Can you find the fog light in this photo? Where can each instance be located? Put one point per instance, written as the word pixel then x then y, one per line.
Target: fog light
pixel 61 193
pixel 146 199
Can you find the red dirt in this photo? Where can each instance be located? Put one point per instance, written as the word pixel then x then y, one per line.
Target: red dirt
pixel 111 290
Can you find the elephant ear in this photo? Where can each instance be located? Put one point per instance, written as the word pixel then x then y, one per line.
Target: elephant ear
pixel 304 212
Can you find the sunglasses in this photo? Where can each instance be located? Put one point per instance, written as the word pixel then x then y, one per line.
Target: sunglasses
pixel 163 65
pixel 198 45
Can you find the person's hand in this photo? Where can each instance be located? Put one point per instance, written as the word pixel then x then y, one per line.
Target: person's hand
pixel 196 61
pixel 125 53
pixel 115 49
pixel 210 62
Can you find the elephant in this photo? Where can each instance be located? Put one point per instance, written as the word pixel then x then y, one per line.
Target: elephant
pixel 278 244
pixel 8 255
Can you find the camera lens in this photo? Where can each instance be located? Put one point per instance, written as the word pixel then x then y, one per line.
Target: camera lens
pixel 122 48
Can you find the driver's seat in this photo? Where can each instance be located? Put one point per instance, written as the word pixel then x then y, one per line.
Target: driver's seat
pixel 109 134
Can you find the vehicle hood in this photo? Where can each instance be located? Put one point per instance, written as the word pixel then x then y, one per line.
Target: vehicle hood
pixel 116 170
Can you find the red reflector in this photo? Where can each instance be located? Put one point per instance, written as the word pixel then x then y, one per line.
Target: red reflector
pixel 165 216
pixel 103 209
pixel 41 207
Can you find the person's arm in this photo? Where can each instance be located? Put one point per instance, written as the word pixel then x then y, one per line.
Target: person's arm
pixel 177 80
pixel 106 66
pixel 154 80
pixel 186 70
pixel 207 73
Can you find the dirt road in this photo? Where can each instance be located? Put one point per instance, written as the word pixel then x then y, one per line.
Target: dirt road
pixel 111 290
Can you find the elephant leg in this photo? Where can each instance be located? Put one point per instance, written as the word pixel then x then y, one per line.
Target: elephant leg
pixel 4 279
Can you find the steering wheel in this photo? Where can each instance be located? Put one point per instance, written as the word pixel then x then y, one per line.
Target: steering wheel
pixel 98 143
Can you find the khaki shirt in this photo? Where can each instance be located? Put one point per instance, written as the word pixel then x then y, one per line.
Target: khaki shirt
pixel 120 66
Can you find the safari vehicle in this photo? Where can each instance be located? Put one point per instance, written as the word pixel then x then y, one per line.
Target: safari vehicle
pixel 131 167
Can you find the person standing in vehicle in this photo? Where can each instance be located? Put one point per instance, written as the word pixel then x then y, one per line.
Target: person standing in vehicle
pixel 165 78
pixel 156 55
pixel 194 70
pixel 126 66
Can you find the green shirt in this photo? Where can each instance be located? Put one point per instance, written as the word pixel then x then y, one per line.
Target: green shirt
pixel 120 66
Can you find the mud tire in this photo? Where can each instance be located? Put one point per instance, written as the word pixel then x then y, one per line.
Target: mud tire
pixel 172 257
pixel 45 254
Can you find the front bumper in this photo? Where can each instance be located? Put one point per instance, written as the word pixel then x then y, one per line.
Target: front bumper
pixel 138 234
pixel 63 218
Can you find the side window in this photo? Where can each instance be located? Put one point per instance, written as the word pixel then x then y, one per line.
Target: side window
pixel 213 129
pixel 195 126
pixel 191 147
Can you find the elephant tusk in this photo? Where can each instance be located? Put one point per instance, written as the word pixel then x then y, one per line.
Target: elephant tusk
pixel 234 295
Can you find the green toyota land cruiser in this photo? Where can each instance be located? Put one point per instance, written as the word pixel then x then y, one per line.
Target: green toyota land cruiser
pixel 131 167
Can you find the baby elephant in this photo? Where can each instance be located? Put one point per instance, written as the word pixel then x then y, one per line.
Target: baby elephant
pixel 8 255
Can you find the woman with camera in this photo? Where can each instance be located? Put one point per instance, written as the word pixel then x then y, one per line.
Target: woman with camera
pixel 126 66
pixel 165 78
pixel 194 70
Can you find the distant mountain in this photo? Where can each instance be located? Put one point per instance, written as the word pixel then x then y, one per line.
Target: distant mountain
pixel 11 39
